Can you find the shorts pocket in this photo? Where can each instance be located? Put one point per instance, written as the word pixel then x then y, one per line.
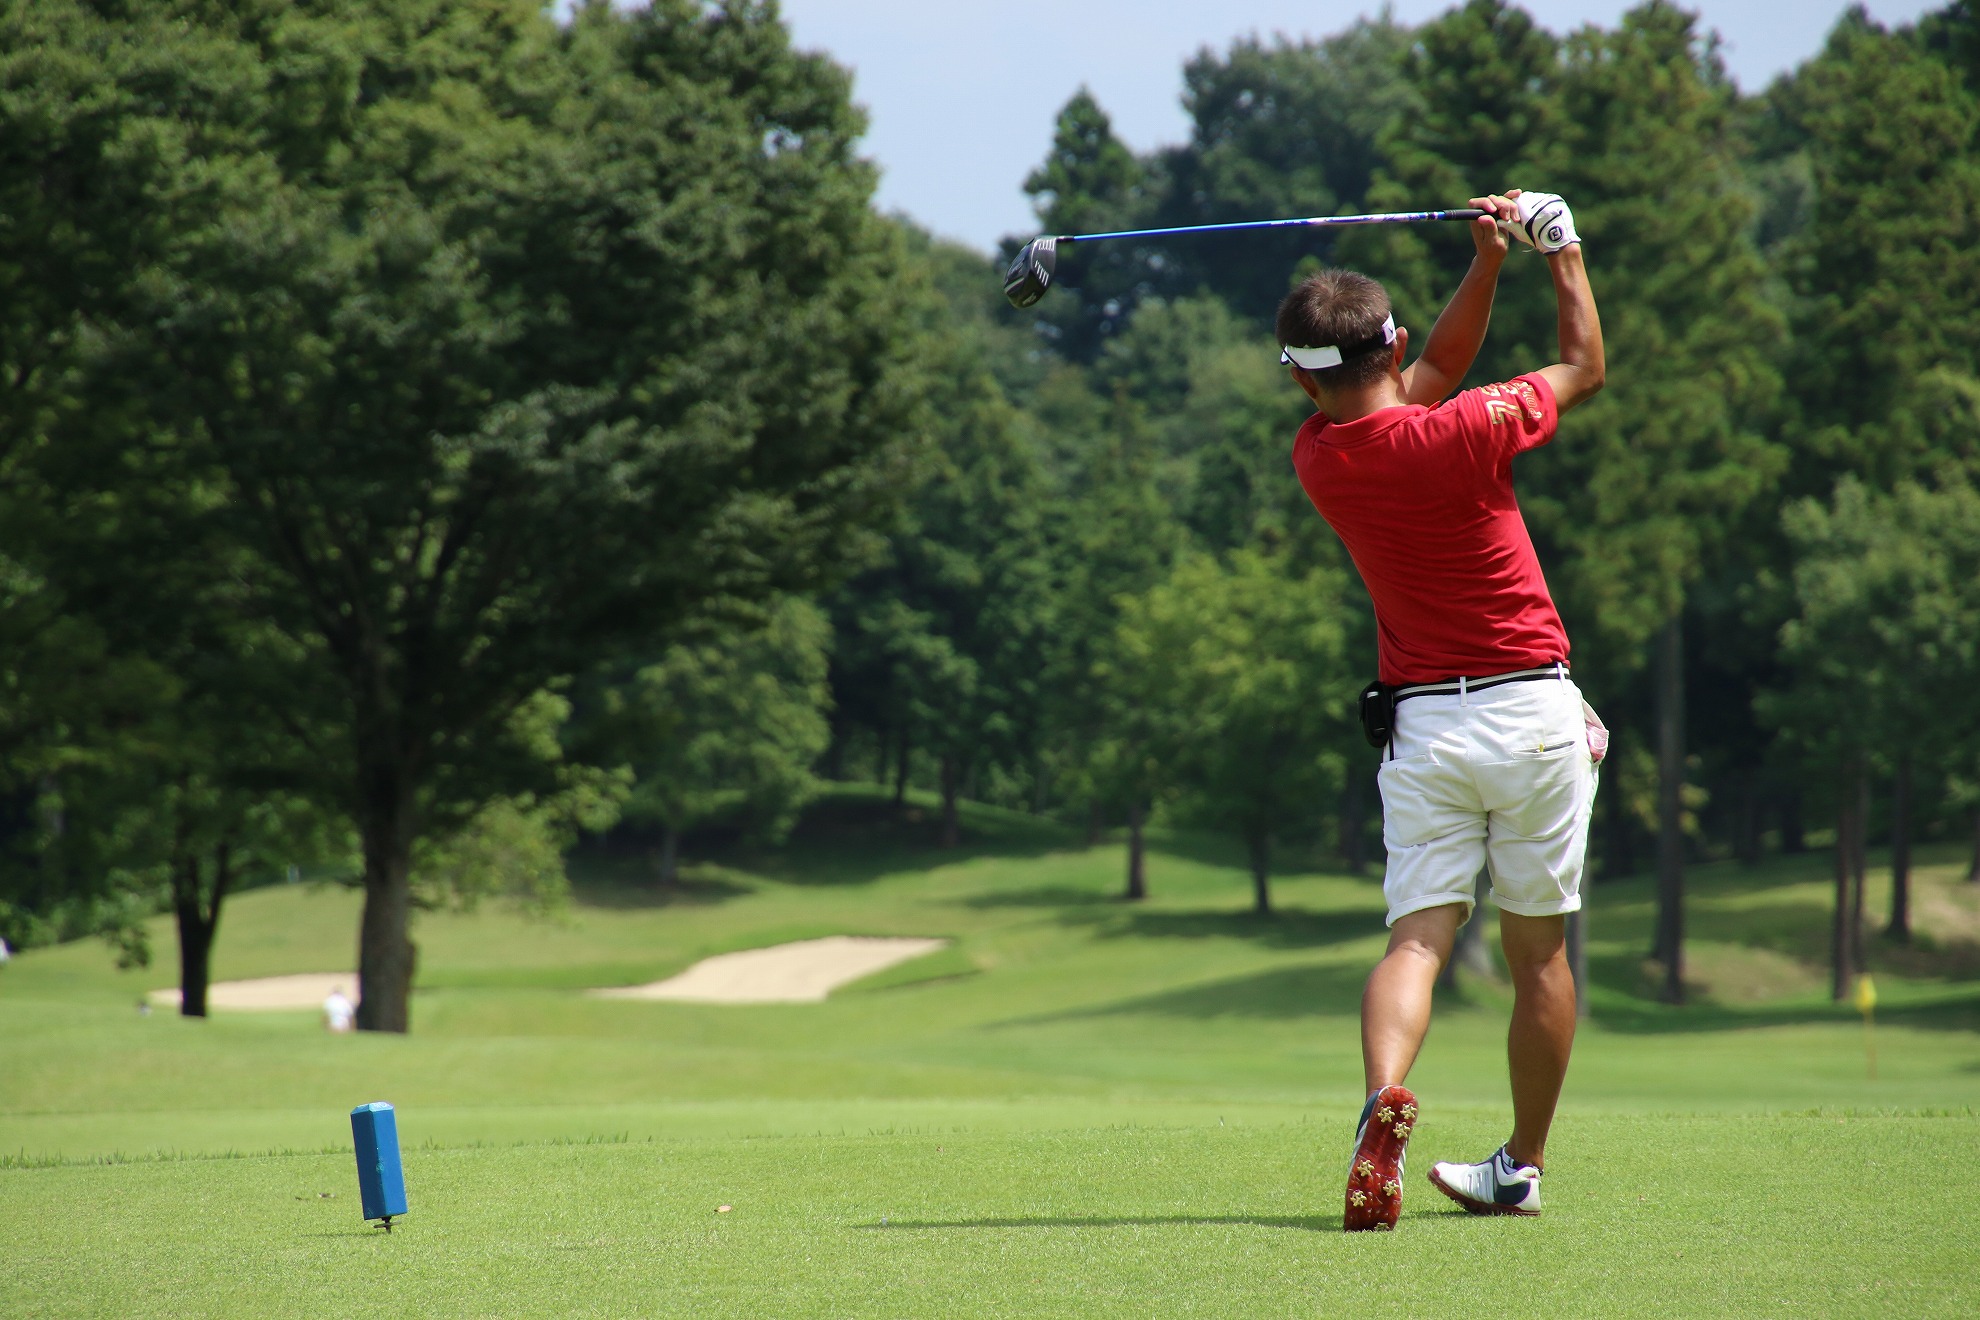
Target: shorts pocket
pixel 1537 795
pixel 1422 799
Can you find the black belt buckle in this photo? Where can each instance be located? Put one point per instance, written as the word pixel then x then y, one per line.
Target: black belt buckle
pixel 1378 713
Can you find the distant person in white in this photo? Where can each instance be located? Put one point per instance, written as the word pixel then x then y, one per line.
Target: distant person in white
pixel 5 954
pixel 338 1013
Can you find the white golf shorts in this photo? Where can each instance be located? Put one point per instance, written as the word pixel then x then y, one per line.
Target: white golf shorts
pixel 1502 779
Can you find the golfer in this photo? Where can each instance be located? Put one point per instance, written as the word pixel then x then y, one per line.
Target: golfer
pixel 339 1014
pixel 1489 752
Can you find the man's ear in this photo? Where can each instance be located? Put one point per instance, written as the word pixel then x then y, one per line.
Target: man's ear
pixel 1401 349
pixel 1305 382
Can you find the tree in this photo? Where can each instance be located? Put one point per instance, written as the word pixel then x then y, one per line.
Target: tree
pixel 1655 479
pixel 1884 327
pixel 171 783
pixel 1277 129
pixel 1882 652
pixel 1091 183
pixel 947 628
pixel 1116 537
pixel 1251 664
pixel 1482 78
pixel 729 724
pixel 1887 342
pixel 503 349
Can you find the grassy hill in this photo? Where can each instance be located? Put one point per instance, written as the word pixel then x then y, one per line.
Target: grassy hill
pixel 1080 1107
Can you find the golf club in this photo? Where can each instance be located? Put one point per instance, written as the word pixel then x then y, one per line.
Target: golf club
pixel 1031 270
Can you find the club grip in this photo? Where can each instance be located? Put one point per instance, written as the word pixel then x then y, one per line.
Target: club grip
pixel 1464 213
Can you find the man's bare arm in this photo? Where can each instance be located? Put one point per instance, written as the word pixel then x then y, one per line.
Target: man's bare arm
pixel 1460 330
pixel 1580 372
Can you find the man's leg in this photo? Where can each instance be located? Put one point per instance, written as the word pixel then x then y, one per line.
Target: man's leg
pixel 1395 1006
pixel 1542 1027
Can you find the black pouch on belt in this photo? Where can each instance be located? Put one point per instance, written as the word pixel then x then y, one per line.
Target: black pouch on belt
pixel 1378 713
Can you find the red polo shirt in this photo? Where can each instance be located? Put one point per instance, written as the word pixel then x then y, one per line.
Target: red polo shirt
pixel 1423 500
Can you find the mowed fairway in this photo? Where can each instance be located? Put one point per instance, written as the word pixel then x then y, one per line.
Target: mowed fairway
pixel 1080 1107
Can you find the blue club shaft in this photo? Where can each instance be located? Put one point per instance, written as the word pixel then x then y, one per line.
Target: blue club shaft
pixel 1386 218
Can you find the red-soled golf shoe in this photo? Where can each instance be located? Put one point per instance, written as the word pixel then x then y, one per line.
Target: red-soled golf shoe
pixel 1375 1178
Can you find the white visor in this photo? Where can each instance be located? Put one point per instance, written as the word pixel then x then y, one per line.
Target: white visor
pixel 1318 359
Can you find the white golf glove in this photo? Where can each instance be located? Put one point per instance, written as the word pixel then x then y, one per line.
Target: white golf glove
pixel 1545 223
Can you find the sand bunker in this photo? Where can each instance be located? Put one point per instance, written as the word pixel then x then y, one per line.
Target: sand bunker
pixel 304 990
pixel 800 973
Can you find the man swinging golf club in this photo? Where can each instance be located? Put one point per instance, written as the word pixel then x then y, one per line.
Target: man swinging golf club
pixel 1488 750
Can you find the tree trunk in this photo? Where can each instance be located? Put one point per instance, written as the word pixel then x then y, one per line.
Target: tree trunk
pixel 195 954
pixel 1859 863
pixel 385 946
pixel 1746 838
pixel 1621 841
pixel 951 820
pixel 901 770
pixel 1839 942
pixel 1973 867
pixel 1899 928
pixel 195 947
pixel 667 863
pixel 1794 838
pixel 1137 856
pixel 1470 950
pixel 198 916
pixel 1259 844
pixel 197 910
pixel 1354 813
pixel 1096 824
pixel 1670 808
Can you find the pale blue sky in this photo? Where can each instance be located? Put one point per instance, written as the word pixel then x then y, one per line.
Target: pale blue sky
pixel 962 93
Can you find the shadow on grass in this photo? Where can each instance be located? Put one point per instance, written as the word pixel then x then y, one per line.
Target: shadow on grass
pixel 1779 907
pixel 1292 928
pixel 852 835
pixel 1622 1007
pixel 1302 1223
pixel 1291 992
pixel 624 890
pixel 1042 896
pixel 1206 847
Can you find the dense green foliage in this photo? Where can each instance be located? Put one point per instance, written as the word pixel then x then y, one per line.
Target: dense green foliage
pixel 443 353
pixel 430 432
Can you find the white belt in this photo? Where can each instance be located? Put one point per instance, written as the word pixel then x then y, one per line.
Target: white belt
pixel 1464 686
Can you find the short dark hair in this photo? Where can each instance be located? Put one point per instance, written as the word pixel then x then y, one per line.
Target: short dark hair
pixel 1338 307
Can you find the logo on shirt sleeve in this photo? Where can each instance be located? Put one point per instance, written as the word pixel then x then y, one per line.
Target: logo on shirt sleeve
pixel 1505 402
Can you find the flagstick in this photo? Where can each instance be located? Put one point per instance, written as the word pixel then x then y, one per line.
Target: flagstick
pixel 1866 1000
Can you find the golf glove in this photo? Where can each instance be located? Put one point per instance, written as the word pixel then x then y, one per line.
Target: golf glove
pixel 1545 224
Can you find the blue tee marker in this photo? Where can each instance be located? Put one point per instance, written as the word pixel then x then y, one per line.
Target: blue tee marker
pixel 381 1179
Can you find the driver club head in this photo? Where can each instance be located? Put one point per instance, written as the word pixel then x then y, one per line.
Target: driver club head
pixel 1031 271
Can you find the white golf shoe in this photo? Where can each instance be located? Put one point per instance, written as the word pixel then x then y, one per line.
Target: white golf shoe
pixel 1491 1187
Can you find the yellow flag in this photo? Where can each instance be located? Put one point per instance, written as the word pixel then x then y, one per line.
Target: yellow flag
pixel 1866 994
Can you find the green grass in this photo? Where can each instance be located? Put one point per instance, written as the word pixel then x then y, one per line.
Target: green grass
pixel 1080 1107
